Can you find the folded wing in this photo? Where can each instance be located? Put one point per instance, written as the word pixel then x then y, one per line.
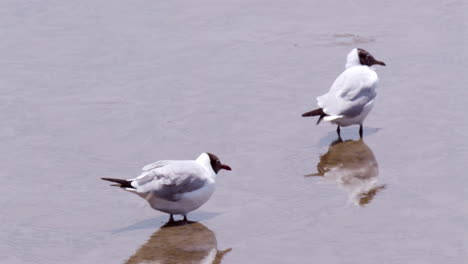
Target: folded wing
pixel 350 92
pixel 170 179
pixel 157 164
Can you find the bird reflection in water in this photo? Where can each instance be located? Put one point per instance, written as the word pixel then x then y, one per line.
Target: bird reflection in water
pixel 353 166
pixel 179 242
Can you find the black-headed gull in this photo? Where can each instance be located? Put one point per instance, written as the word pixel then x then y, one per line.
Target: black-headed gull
pixel 351 97
pixel 176 186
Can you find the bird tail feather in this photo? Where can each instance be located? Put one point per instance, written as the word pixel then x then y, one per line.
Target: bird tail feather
pixel 333 117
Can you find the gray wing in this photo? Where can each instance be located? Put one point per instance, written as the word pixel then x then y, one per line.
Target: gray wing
pixel 172 180
pixel 354 105
pixel 157 164
pixel 350 92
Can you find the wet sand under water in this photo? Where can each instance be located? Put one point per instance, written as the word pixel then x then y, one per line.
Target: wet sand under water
pixel 92 90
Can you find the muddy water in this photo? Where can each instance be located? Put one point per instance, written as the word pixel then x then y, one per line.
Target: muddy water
pixel 90 90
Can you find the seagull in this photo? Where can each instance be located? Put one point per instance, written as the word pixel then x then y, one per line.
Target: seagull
pixel 175 186
pixel 352 95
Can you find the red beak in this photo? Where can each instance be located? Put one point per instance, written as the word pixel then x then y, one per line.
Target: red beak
pixel 226 167
pixel 380 63
pixel 374 61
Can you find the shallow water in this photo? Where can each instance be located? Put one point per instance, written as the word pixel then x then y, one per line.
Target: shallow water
pixel 92 90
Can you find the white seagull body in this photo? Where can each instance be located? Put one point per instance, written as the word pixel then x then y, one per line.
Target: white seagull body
pixel 176 186
pixel 352 95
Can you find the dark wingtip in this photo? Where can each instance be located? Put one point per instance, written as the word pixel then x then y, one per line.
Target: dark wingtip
pixel 315 112
pixel 311 113
pixel 320 119
pixel 123 183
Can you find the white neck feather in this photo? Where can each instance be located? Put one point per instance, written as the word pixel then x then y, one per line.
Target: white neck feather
pixel 205 161
pixel 352 59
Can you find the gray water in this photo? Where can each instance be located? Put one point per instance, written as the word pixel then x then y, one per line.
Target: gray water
pixel 92 89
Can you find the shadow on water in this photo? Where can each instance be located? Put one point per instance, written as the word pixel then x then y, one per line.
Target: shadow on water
pixel 352 165
pixel 180 242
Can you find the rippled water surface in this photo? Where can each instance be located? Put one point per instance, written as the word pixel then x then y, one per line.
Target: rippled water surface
pixel 98 89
